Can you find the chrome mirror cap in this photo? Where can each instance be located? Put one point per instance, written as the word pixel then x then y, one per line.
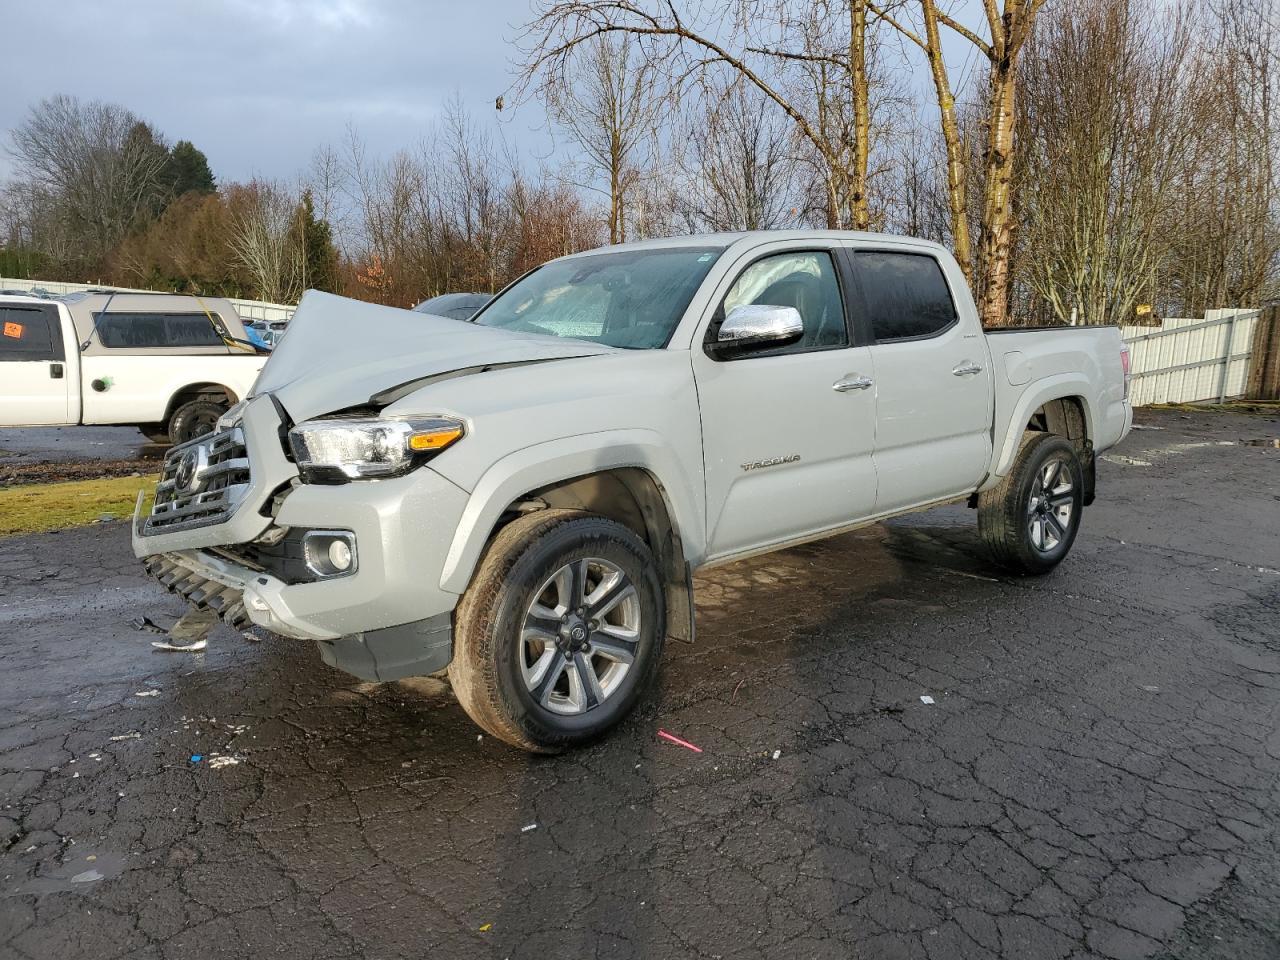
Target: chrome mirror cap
pixel 760 323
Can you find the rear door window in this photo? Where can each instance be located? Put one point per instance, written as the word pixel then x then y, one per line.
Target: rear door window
pixel 906 295
pixel 135 330
pixel 30 333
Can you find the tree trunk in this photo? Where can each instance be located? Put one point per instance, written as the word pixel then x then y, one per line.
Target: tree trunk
pixel 859 207
pixel 957 193
pixel 997 208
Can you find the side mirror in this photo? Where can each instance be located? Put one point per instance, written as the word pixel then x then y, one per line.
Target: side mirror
pixel 756 324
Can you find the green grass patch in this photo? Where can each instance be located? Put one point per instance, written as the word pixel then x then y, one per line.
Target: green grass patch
pixel 39 507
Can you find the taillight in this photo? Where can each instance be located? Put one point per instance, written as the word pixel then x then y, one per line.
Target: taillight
pixel 1124 365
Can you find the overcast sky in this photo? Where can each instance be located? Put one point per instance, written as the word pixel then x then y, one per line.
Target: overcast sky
pixel 259 84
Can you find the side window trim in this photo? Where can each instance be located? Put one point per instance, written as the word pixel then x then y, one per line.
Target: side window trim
pixel 946 282
pixel 718 315
pixel 216 324
pixel 49 315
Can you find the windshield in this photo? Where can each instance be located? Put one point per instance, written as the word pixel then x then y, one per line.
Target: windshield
pixel 623 298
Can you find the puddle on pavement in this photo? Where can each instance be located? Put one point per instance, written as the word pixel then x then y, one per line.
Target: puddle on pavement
pixel 81 873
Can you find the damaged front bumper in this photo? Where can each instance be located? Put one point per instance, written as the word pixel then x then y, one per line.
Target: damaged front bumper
pixel 385 620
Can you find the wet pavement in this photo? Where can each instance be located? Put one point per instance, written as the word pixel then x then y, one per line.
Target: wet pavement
pixel 1098 774
pixel 74 444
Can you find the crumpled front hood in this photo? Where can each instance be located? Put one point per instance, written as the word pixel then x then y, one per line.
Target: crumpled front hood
pixel 338 353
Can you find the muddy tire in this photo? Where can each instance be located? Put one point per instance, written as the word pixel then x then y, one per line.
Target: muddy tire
pixel 1030 520
pixel 560 631
pixel 194 419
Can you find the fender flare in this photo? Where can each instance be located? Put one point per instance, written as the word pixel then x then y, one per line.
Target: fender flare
pixel 1052 388
pixel 556 461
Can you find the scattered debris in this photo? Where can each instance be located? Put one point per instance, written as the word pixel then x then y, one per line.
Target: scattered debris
pixel 531 826
pixel 1150 689
pixel 486 928
pixel 973 576
pixel 678 742
pixel 196 647
pixel 217 762
pixel 1143 426
pixel 736 689
pixel 927 700
pixel 131 735
pixel 146 623
pixel 147 693
pixel 777 754
pixel 190 634
pixel 87 877
pixel 1124 461
pixel 196 757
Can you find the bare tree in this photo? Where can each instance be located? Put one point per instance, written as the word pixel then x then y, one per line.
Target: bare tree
pixel 1227 228
pixel 741 163
pixel 606 98
pixel 263 240
pixel 1106 129
pixel 1009 24
pixel 97 165
pixel 762 43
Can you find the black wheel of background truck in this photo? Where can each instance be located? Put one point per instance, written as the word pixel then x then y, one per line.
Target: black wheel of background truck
pixel 194 419
pixel 560 631
pixel 1030 519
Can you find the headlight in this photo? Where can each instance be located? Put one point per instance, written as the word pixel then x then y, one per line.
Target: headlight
pixel 334 451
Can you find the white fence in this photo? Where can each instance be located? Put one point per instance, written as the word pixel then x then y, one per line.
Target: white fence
pixel 248 309
pixel 1189 359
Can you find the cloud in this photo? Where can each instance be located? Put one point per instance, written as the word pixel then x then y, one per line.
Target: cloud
pixel 260 84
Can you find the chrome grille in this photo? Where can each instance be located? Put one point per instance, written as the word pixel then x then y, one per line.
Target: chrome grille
pixel 202 482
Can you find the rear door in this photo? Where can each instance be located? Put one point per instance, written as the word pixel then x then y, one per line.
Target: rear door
pixel 933 385
pixel 34 386
pixel 787 441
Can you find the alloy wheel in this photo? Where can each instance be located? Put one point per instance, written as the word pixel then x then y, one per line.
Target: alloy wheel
pixel 580 636
pixel 1051 506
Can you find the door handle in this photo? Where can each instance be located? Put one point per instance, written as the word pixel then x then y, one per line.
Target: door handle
pixel 967 369
pixel 852 383
pixel 55 371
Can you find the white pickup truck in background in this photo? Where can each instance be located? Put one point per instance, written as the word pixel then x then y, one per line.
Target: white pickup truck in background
pixel 521 498
pixel 169 364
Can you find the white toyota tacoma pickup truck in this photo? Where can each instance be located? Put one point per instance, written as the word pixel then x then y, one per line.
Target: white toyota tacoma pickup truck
pixel 169 364
pixel 521 499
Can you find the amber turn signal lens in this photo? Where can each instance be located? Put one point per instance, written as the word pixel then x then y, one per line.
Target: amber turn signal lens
pixel 434 439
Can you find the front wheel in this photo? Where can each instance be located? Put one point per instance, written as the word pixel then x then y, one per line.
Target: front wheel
pixel 1030 519
pixel 560 631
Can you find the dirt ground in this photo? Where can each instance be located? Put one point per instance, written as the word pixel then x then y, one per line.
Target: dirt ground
pixel 1098 774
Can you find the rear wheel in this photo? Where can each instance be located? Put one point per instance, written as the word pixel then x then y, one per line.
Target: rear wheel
pixel 1030 520
pixel 559 632
pixel 194 419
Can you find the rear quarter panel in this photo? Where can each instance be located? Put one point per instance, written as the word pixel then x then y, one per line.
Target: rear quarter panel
pixel 1033 367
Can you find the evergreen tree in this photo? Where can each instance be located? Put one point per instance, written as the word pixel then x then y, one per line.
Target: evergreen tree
pixel 188 170
pixel 319 254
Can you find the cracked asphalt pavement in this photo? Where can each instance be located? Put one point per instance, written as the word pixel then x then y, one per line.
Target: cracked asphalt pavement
pixel 1098 774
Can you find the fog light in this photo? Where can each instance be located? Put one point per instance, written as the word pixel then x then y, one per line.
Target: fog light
pixel 340 555
pixel 330 553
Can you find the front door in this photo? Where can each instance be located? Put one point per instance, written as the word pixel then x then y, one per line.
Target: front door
pixel 788 432
pixel 34 387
